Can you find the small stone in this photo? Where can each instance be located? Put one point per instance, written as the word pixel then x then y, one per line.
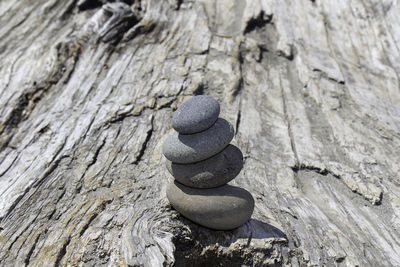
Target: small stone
pixel 196 114
pixel 212 172
pixel 220 208
pixel 190 148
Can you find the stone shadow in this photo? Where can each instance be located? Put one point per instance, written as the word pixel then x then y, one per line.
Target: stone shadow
pixel 253 243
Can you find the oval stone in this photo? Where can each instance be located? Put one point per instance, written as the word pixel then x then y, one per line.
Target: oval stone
pixel 212 172
pixel 196 114
pixel 190 148
pixel 220 208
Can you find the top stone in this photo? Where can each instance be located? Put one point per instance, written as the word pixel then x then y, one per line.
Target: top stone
pixel 195 115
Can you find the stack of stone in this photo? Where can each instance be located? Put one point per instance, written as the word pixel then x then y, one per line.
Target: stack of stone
pixel 202 161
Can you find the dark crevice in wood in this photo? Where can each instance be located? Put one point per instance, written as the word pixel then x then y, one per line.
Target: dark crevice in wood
pixel 239 86
pixel 131 2
pixel 199 90
pixel 324 75
pixel 9 167
pixel 69 10
pixel 62 252
pixel 340 259
pixel 144 144
pixel 89 4
pixel 178 4
pixel 336 81
pixel 16 116
pixel 122 22
pixel 95 156
pixel 302 167
pixel 116 33
pixel 238 118
pixel 94 216
pixel 258 22
pixel 289 56
pixel 324 172
pixel 52 214
pixel 262 49
pixel 29 255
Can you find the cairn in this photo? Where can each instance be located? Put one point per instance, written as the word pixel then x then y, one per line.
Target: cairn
pixel 202 162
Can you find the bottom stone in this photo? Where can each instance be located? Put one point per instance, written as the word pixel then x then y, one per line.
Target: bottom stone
pixel 220 208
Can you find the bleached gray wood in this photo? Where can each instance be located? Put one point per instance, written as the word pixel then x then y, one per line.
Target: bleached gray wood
pixel 87 91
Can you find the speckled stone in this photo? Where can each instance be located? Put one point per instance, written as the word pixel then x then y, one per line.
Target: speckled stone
pixel 190 148
pixel 196 114
pixel 212 172
pixel 221 208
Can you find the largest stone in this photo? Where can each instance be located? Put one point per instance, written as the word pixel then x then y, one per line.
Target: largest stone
pixel 221 208
pixel 180 148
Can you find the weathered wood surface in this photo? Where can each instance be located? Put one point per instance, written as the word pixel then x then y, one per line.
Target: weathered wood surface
pixel 87 90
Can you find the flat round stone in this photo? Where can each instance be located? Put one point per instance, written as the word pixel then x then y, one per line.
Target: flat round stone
pixel 196 114
pixel 212 172
pixel 190 148
pixel 221 208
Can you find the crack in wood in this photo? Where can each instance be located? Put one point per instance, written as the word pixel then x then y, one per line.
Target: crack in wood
pixel 67 56
pixel 302 167
pixel 29 255
pixel 149 134
pixel 62 252
pixel 258 22
pixel 288 123
pixel 96 213
pixel 95 155
pixel 238 118
pixel 324 172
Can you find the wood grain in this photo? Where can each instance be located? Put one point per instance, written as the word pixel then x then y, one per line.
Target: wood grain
pixel 87 91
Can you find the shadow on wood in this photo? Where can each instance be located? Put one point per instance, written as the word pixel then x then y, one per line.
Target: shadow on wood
pixel 200 246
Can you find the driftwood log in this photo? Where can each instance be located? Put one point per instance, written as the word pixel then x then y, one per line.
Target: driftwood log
pixel 87 92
